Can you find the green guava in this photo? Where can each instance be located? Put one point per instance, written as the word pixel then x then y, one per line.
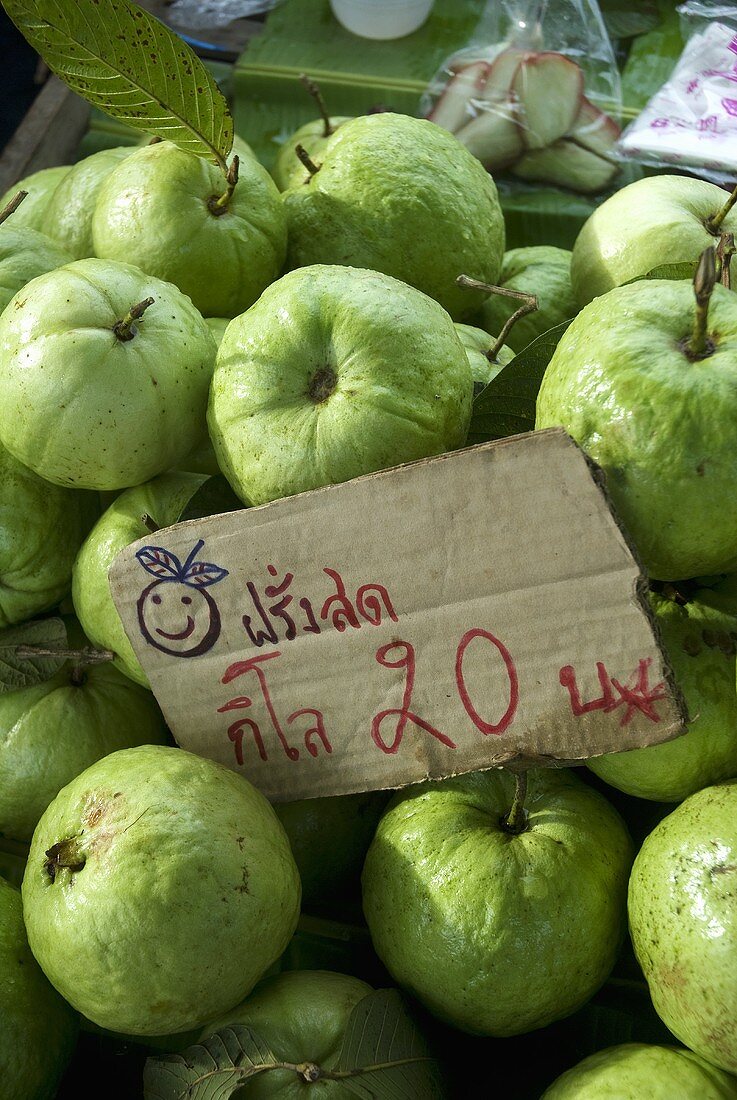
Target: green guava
pixel 68 217
pixel 41 528
pixel 660 423
pixel 635 1071
pixel 288 170
pixel 301 1015
pixel 24 254
pixel 52 731
pixel 163 500
pixel 159 888
pixel 402 196
pixel 92 397
pixel 653 225
pixel 498 933
pixel 333 373
pixel 543 271
pixel 683 922
pixel 158 209
pixel 40 186
pixel 39 1029
pixel 329 839
pixel 201 459
pixel 477 343
pixel 700 645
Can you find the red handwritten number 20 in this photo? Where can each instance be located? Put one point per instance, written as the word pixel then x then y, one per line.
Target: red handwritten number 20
pixel 406 660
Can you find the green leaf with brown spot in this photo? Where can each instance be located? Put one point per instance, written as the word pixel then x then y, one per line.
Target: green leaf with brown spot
pixel 17 671
pixel 128 64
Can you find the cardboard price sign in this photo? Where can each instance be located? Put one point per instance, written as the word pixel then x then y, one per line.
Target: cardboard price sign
pixel 442 617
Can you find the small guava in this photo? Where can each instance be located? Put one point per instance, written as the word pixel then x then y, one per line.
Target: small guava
pixel 173 214
pixel 288 170
pixel 163 501
pixel 543 271
pixel 301 1015
pixel 41 528
pixel 104 375
pixel 478 343
pixel 700 643
pixel 38 1029
pixel 635 1071
pixel 68 217
pixel 52 731
pixel 39 188
pixel 160 887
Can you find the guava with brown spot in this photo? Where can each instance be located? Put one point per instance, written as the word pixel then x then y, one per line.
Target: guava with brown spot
pixel 133 894
pixel 683 922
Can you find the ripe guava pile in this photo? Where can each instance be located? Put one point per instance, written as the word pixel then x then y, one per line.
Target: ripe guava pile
pixel 177 341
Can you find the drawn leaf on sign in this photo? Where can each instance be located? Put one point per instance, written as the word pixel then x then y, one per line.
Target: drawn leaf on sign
pixel 160 563
pixel 201 574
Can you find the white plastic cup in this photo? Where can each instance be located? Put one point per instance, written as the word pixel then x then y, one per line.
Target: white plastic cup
pixel 381 19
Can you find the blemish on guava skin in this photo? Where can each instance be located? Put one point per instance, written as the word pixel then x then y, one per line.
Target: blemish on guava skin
pixel 242 887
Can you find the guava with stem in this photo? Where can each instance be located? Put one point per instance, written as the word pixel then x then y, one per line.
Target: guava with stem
pixel 159 889
pixel 302 1016
pixel 644 380
pixel 39 188
pixel 288 169
pixel 499 901
pixel 542 271
pixel 335 372
pixel 54 730
pixel 220 239
pixel 654 228
pixel 700 643
pixel 39 1030
pixel 104 375
pixel 401 196
pixel 24 252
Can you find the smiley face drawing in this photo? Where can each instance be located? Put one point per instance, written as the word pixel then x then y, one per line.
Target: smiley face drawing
pixel 175 613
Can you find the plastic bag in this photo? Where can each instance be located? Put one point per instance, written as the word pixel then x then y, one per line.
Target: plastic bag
pixel 691 122
pixel 535 94
pixel 203 14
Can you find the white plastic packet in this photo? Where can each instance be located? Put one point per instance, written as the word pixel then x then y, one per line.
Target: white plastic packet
pixel 692 120
pixel 535 94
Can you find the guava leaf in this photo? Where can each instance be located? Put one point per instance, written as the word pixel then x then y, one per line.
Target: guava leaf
pixel 507 405
pixel 126 63
pixel 384 1056
pixel 681 270
pixel 211 1070
pixel 213 497
pixel 21 672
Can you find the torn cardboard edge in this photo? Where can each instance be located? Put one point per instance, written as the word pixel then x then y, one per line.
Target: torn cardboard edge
pixel 471 565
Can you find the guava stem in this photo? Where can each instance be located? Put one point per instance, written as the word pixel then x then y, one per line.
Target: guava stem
pixel 307 160
pixel 219 205
pixel 725 251
pixel 150 523
pixel 703 285
pixel 516 820
pixel 14 847
pixel 529 305
pixel 155 140
pixel 714 223
pixel 64 854
pixel 124 329
pixel 86 656
pixel 314 89
pixel 12 206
